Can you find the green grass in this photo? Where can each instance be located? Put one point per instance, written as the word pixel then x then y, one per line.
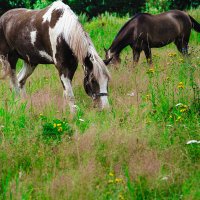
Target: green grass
pixel 137 150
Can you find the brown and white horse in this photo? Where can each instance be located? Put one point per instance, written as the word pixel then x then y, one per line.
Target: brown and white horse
pixel 52 36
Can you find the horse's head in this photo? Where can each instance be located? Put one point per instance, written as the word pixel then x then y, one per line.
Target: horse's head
pixel 96 80
pixel 111 57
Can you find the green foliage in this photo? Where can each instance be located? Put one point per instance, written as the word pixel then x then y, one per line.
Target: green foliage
pixel 155 7
pixel 55 129
pixel 39 4
pixel 97 7
pixel 81 123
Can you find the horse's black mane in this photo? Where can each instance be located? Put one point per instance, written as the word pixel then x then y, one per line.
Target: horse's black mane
pixel 130 20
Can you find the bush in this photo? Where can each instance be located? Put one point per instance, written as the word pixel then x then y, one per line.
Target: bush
pixel 159 6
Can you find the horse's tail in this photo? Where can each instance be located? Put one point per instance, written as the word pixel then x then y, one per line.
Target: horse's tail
pixel 6 69
pixel 195 24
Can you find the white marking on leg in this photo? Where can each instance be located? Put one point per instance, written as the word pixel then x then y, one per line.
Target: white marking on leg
pixel 33 37
pixel 23 74
pixel 68 92
pixel 46 55
pixel 103 89
pixel 110 55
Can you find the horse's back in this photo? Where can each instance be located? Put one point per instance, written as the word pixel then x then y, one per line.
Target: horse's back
pixel 16 19
pixel 169 16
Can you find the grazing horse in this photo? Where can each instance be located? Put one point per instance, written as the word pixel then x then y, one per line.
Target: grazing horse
pixel 145 31
pixel 52 36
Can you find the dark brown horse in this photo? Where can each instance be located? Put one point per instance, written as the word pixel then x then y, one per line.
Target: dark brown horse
pixel 52 36
pixel 145 31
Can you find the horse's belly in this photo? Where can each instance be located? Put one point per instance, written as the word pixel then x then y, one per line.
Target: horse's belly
pixel 157 44
pixel 34 56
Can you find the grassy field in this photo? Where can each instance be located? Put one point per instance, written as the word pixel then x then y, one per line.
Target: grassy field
pixel 137 150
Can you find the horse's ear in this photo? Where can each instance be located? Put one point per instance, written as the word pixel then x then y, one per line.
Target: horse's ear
pixel 105 49
pixel 107 61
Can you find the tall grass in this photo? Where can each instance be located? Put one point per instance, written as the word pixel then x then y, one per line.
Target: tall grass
pixel 137 150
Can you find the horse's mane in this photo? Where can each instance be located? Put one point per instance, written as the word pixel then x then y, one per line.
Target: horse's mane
pixel 77 39
pixel 129 21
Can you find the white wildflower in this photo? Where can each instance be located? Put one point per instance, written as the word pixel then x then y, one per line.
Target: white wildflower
pixel 193 142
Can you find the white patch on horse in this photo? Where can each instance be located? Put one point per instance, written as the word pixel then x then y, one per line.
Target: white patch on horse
pixel 110 54
pixel 103 89
pixel 27 68
pixel 33 37
pixel 68 92
pixel 68 27
pixel 46 55
pixel 28 58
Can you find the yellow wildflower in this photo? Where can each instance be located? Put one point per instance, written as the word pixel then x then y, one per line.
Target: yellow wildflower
pixel 172 54
pixel 147 97
pixel 178 118
pixel 60 129
pixel 58 124
pixel 180 85
pixel 118 180
pixel 151 70
pixel 181 60
pixel 121 197
pixel 54 125
pixel 111 174
pixel 183 110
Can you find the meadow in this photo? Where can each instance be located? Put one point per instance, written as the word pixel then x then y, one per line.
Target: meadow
pixel 136 150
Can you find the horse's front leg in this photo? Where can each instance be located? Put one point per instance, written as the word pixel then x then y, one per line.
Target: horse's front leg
pixel 68 92
pixel 148 55
pixel 66 72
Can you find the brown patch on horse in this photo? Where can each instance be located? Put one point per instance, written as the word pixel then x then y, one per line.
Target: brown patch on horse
pixel 56 14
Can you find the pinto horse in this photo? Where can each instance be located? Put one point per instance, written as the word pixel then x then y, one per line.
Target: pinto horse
pixel 145 31
pixel 52 36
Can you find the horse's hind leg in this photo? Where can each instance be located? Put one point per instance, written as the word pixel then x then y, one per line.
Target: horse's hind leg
pixel 148 55
pixel 13 78
pixel 136 56
pixel 22 76
pixel 12 58
pixel 182 45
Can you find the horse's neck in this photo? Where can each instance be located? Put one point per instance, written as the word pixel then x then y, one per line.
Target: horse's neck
pixel 120 42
